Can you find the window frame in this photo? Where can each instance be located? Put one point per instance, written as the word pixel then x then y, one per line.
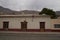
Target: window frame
pixel 56 25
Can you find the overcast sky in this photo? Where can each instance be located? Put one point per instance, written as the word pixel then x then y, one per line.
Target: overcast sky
pixel 30 4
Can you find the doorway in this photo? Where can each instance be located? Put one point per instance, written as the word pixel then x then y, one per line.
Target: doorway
pixel 42 26
pixel 24 26
pixel 5 25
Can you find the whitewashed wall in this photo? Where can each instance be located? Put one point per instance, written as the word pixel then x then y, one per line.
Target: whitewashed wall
pixel 33 23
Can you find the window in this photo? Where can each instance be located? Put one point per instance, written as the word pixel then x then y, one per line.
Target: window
pixel 57 25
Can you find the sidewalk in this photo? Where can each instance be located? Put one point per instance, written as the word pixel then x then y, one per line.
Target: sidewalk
pixel 30 32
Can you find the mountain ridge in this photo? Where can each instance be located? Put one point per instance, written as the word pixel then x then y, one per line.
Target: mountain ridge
pixel 9 11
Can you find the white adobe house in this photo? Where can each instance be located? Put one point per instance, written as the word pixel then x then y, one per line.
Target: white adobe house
pixel 28 21
pixel 25 21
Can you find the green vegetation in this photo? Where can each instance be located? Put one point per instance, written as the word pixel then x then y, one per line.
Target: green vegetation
pixel 48 12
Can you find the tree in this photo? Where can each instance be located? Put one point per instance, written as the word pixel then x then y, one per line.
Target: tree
pixel 48 12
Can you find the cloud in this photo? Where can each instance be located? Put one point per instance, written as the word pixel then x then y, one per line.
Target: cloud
pixel 30 4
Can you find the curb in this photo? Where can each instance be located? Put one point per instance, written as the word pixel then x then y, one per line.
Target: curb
pixel 31 32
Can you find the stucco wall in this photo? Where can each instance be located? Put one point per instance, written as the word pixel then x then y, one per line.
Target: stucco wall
pixel 33 23
pixel 55 21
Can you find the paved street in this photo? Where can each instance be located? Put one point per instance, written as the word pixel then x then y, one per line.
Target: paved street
pixel 28 36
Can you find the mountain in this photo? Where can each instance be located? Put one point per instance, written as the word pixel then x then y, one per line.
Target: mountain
pixel 58 13
pixel 29 12
pixel 5 10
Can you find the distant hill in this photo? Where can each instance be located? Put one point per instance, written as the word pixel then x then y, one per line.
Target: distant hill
pixel 6 11
pixel 58 13
pixel 29 11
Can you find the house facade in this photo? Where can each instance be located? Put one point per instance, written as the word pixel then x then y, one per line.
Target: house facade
pixel 28 22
